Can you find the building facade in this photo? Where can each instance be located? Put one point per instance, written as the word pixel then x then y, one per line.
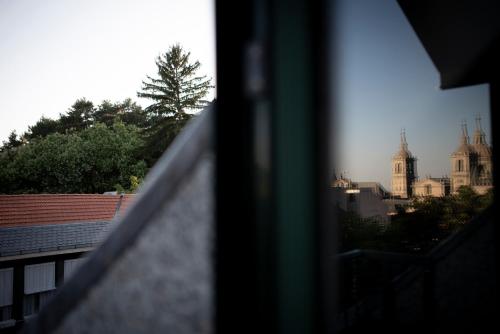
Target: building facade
pixel 471 164
pixel 366 199
pixel 43 240
pixel 404 170
pixel 430 186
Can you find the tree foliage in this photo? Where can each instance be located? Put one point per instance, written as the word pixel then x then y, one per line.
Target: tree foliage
pixel 177 92
pixel 419 230
pixel 178 89
pixel 128 112
pixel 78 117
pixel 358 233
pixel 12 142
pixel 83 114
pixel 42 128
pixel 96 148
pixel 93 160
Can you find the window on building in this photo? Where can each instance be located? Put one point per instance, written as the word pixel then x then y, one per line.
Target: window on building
pixel 70 267
pixel 428 189
pixel 5 313
pixel 6 285
pixel 39 286
pixel 33 302
pixel 460 165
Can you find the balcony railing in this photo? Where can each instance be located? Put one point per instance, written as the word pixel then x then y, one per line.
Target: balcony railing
pixel 443 289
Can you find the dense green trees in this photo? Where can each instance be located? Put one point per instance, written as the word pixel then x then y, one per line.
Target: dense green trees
pixel 12 142
pixel 78 117
pixel 88 149
pixel 415 231
pixel 42 128
pixel 94 160
pixel 83 114
pixel 128 112
pixel 92 149
pixel 358 233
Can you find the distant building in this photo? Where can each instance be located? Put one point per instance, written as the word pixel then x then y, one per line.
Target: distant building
pixel 471 165
pixel 434 187
pixel 375 187
pixel 364 198
pixel 404 170
pixel 42 241
pixel 341 182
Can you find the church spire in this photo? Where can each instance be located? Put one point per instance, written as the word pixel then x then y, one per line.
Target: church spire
pixel 403 148
pixel 465 134
pixel 478 123
pixel 465 147
pixel 404 144
pixel 479 135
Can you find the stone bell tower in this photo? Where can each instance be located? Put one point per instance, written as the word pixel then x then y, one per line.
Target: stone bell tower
pixel 484 169
pixel 463 163
pixel 404 170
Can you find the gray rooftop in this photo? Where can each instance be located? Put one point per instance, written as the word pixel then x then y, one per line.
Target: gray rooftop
pixel 48 238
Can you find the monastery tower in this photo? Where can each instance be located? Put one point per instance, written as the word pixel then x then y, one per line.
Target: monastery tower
pixel 404 170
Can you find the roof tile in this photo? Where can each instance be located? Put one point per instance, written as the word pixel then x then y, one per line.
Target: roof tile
pixel 48 209
pixel 14 240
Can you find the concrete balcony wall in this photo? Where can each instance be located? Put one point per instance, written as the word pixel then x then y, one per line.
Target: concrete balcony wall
pixel 164 282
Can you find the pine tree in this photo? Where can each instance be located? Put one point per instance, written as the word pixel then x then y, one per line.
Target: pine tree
pixel 44 127
pixel 127 112
pixel 12 142
pixel 177 93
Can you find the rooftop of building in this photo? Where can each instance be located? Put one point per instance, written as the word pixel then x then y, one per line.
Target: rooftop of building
pixel 443 179
pixel 15 241
pixel 53 209
pixel 377 186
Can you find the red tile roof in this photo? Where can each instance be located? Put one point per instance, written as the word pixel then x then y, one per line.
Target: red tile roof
pixel 27 210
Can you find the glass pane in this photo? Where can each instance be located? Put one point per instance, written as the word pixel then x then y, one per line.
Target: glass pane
pixel 30 304
pixel 5 313
pixel 6 286
pixel 70 266
pixel 413 168
pixel 45 296
pixel 403 142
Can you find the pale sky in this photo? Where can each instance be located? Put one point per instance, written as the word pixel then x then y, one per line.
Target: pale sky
pixel 55 51
pixel 386 82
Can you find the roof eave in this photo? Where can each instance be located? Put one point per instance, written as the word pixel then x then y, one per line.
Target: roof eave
pixel 460 36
